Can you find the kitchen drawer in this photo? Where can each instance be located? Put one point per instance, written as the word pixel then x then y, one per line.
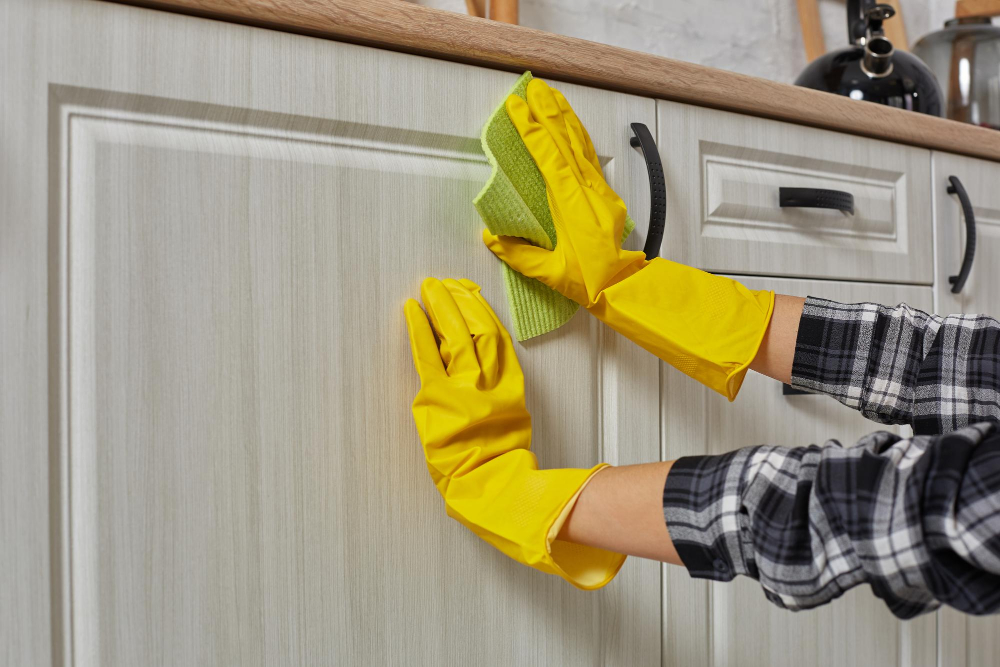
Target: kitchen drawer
pixel 724 171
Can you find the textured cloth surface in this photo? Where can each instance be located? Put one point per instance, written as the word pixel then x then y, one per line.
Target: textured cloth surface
pixel 514 203
pixel 900 365
pixel 917 519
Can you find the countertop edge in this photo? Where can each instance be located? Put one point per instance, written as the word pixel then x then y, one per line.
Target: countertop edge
pixel 402 26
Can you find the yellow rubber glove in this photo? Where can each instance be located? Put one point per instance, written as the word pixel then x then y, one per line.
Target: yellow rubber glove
pixel 476 435
pixel 706 326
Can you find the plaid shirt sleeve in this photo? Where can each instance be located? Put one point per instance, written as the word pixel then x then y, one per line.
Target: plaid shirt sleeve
pixel 900 365
pixel 917 519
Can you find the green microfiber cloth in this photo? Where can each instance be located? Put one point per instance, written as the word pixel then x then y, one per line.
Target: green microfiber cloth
pixel 513 203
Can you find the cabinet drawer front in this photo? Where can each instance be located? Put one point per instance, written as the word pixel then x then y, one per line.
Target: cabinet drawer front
pixel 724 173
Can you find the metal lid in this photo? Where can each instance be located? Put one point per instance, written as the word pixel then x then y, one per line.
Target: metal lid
pixel 968 20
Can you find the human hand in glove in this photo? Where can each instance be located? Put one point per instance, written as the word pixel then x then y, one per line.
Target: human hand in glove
pixel 476 434
pixel 707 326
pixel 589 217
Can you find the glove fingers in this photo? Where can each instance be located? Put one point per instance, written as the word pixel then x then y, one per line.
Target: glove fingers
pixel 572 141
pixel 583 148
pixel 457 349
pixel 520 255
pixel 485 336
pixel 577 132
pixel 426 357
pixel 507 357
pixel 476 292
pixel 473 304
pixel 545 110
pixel 593 176
pixel 556 169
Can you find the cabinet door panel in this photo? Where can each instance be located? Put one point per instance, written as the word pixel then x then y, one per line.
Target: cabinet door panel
pixel 979 177
pixel 724 175
pixel 968 641
pixel 236 217
pixel 727 624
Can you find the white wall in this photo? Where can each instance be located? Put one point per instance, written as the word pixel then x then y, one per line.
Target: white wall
pixel 757 37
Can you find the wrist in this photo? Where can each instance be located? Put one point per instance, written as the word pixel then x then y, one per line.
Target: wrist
pixel 621 510
pixel 776 353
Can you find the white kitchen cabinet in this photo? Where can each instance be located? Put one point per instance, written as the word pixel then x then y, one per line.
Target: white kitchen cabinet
pixel 967 641
pixel 208 234
pixel 980 179
pixel 724 173
pixel 206 453
pixel 709 624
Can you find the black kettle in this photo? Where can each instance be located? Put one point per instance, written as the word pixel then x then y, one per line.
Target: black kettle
pixel 871 69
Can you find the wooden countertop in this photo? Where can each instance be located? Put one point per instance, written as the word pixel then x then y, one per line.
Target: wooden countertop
pixel 402 26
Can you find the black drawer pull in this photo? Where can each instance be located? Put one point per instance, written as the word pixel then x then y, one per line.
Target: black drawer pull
pixel 956 188
pixel 657 189
pixel 816 198
pixel 789 390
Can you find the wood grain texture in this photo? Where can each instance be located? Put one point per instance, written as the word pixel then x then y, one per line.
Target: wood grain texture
pixel 723 177
pixel 967 8
pixel 504 11
pixel 980 294
pixel 714 625
pixel 208 452
pixel 28 627
pixel 476 8
pixel 812 28
pixel 410 28
pixel 895 28
pixel 967 641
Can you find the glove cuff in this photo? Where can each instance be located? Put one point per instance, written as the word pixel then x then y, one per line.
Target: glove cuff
pixel 587 568
pixel 706 326
pixel 520 510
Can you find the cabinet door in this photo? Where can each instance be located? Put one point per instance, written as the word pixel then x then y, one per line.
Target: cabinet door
pixel 967 640
pixel 207 452
pixel 711 624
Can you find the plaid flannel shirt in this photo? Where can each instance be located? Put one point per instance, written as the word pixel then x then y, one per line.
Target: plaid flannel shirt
pixel 918 519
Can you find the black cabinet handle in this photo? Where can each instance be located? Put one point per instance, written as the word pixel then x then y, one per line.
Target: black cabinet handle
pixel 956 188
pixel 789 390
pixel 657 189
pixel 816 198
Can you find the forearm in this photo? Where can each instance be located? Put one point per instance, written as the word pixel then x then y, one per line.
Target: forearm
pixel 726 515
pixel 777 351
pixel 621 510
pixel 810 523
